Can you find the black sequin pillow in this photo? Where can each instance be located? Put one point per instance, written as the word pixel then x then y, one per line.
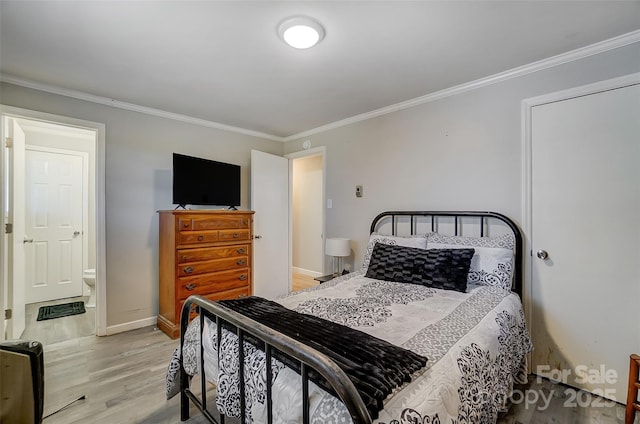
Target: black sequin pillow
pixel 438 268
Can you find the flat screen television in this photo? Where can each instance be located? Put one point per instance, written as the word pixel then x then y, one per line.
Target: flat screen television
pixel 198 181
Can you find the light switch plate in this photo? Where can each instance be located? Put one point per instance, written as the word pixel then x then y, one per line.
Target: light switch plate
pixel 358 191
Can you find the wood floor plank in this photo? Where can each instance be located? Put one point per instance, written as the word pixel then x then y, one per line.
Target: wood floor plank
pixel 122 377
pixel 302 281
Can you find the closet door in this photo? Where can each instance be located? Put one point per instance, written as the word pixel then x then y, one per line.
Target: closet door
pixel 585 238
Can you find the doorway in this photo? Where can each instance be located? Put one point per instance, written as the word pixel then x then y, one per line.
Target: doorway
pixel 272 200
pixel 71 146
pixel 307 217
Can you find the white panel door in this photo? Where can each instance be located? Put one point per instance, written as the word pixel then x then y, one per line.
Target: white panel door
pixel 54 225
pixel 270 201
pixel 16 207
pixel 585 171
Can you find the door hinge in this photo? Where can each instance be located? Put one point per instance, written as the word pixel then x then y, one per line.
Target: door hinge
pixel 8 228
pixel 8 313
pixel 8 142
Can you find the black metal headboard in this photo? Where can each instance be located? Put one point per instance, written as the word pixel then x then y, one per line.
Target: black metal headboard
pixel 457 217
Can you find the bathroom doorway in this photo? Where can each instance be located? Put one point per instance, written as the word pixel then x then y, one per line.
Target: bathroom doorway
pixel 58 177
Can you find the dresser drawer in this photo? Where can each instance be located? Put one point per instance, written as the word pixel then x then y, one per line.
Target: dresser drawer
pixel 203 284
pixel 185 224
pixel 214 265
pixel 194 237
pixel 232 235
pixel 208 253
pixel 212 223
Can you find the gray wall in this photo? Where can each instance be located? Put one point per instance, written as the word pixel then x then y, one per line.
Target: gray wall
pixel 462 152
pixel 138 183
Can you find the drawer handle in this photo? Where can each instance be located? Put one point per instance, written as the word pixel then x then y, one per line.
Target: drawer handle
pixel 186 225
pixel 240 262
pixel 200 237
pixel 188 269
pixel 185 257
pixel 241 250
pixel 236 235
pixel 190 286
pixel 242 277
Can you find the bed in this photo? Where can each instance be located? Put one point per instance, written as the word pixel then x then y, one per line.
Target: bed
pixel 430 330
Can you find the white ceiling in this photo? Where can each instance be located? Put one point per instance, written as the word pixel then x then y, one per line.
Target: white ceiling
pixel 223 62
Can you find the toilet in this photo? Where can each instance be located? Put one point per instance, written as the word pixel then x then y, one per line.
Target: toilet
pixel 89 277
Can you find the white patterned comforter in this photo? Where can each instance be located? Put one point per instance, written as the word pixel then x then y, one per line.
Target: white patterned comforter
pixel 476 344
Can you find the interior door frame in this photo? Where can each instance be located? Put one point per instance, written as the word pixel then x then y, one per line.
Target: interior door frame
pixel 100 202
pixel 13 254
pixel 527 205
pixel 317 151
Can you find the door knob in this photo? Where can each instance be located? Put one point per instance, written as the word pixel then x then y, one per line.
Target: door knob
pixel 76 233
pixel 27 240
pixel 257 237
pixel 542 254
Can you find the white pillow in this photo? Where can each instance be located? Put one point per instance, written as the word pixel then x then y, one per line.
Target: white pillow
pixel 492 263
pixel 505 241
pixel 419 241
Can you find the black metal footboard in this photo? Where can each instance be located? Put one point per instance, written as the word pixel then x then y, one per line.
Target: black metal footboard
pixel 308 358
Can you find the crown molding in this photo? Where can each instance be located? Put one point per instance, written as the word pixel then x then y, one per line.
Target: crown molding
pixel 570 56
pixel 573 55
pixel 80 95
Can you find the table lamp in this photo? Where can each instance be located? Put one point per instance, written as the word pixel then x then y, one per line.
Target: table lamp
pixel 337 248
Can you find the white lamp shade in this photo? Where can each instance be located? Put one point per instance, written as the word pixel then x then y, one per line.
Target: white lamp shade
pixel 338 247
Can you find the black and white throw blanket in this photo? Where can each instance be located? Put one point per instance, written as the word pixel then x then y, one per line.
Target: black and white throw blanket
pixel 375 367
pixel 475 344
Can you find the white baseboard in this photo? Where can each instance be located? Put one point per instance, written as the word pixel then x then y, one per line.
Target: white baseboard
pixel 128 326
pixel 305 272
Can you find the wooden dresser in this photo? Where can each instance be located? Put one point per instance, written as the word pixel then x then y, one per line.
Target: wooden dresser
pixel 204 252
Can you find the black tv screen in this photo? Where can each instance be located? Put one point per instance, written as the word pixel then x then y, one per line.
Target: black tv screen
pixel 198 181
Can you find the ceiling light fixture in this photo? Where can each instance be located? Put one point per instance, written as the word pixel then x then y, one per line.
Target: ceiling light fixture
pixel 301 32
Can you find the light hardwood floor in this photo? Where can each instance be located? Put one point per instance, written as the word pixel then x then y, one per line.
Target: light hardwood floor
pixel 301 281
pixel 122 377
